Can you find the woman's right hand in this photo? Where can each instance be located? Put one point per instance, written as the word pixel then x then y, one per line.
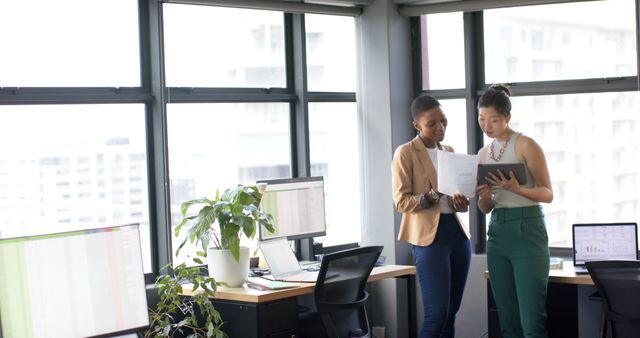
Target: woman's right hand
pixel 484 191
pixel 485 202
pixel 460 203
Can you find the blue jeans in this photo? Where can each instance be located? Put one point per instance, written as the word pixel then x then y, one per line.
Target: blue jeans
pixel 442 272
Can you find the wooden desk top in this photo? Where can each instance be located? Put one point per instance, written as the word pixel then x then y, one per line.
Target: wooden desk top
pixel 247 294
pixel 566 275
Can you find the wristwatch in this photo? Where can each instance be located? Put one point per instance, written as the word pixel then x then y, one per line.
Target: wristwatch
pixel 429 198
pixel 435 197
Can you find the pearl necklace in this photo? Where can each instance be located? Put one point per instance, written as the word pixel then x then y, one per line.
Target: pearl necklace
pixel 502 149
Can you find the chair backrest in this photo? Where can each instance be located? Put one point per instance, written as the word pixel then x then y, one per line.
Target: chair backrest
pixel 340 290
pixel 618 283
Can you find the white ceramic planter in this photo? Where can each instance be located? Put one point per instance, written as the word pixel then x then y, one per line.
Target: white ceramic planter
pixel 224 268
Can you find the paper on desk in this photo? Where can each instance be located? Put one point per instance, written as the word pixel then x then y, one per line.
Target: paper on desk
pixel 265 284
pixel 457 173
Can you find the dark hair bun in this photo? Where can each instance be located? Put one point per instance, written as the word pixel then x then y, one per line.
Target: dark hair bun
pixel 501 87
pixel 497 96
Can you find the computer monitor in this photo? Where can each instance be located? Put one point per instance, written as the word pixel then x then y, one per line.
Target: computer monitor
pixel 297 206
pixel 604 241
pixel 87 283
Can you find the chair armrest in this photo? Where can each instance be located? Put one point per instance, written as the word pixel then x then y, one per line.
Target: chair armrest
pixel 616 317
pixel 330 306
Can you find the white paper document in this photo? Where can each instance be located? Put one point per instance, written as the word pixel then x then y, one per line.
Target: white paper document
pixel 457 173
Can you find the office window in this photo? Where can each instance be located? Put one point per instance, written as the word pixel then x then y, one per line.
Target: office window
pixel 442 51
pixel 209 46
pixel 56 170
pixel 334 150
pixel 331 53
pixel 69 43
pixel 591 146
pixel 456 134
pixel 219 145
pixel 562 41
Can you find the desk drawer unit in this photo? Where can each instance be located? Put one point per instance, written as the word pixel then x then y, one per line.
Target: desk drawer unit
pixel 276 319
pixel 277 316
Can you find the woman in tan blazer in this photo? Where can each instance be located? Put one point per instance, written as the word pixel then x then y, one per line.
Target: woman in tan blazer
pixel 439 241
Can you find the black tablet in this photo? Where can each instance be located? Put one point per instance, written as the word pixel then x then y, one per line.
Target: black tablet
pixel 517 168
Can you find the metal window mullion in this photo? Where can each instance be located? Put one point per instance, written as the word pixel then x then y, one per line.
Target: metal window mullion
pixel 638 45
pixel 416 43
pixel 560 87
pixel 226 95
pixel 301 162
pixel 72 95
pixel 409 10
pixel 445 94
pixel 300 116
pixel 474 80
pixel 279 5
pixel 331 97
pixel 153 80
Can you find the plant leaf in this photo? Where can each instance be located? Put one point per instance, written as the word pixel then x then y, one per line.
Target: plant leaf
pixel 230 234
pixel 230 194
pixel 205 244
pixel 245 198
pixel 210 330
pixel 183 222
pixel 181 245
pixel 249 227
pixel 186 205
pixel 252 209
pixel 234 247
pixel 206 217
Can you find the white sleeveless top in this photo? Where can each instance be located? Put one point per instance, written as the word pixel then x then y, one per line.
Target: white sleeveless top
pixel 504 198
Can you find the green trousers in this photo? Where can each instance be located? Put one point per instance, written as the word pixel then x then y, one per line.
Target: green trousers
pixel 518 262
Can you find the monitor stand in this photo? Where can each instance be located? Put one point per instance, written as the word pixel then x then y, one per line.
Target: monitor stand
pixel 305 249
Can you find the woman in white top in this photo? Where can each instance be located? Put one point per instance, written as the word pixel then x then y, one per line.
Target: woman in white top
pixel 517 248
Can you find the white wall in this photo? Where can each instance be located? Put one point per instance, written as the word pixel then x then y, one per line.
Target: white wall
pixel 472 317
pixel 384 86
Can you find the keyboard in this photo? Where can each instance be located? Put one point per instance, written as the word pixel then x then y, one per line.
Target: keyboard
pixel 312 267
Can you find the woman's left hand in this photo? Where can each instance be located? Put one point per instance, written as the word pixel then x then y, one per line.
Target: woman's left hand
pixel 460 203
pixel 501 181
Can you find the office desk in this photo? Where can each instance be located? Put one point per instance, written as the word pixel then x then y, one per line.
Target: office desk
pixel 562 303
pixel 255 313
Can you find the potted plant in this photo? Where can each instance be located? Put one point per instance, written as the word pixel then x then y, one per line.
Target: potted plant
pixel 199 317
pixel 220 222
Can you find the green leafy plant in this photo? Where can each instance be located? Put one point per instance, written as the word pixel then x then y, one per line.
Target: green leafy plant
pixel 222 220
pixel 163 318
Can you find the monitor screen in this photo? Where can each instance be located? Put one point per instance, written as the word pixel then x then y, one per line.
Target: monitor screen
pixel 297 207
pixel 75 284
pixel 604 241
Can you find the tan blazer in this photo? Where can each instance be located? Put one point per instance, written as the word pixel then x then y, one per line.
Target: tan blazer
pixel 413 173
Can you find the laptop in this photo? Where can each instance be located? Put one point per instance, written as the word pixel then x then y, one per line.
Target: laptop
pixel 603 241
pixel 283 263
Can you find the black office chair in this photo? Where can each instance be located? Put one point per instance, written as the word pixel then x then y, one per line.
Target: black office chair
pixel 618 283
pixel 340 295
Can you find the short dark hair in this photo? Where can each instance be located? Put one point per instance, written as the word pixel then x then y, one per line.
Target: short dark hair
pixel 422 104
pixel 496 97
